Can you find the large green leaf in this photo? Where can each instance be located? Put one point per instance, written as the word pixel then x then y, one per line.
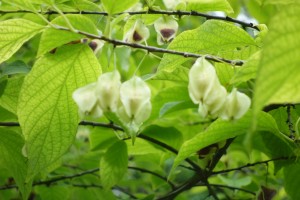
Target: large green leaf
pixel 11 145
pixel 47 113
pixel 166 96
pixel 117 5
pixel 213 37
pixel 279 73
pixel 292 181
pixel 113 165
pixel 53 192
pixel 209 5
pixel 221 130
pixel 52 38
pixel 13 34
pixel 10 94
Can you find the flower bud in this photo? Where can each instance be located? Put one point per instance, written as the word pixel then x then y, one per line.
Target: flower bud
pixel 166 28
pixel 138 33
pixel 235 106
pixel 86 101
pixel 107 91
pixel 135 97
pixel 96 45
pixel 202 77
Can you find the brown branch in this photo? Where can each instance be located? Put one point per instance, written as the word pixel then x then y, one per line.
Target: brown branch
pixel 152 48
pixel 150 11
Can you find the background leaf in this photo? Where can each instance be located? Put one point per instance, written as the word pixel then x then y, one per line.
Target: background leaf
pixel 209 5
pixel 47 113
pixel 10 94
pixel 113 165
pixel 52 38
pixel 11 145
pixel 13 34
pixel 117 5
pixel 291 180
pixel 279 73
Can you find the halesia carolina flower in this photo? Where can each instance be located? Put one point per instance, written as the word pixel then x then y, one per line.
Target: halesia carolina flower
pixel 235 106
pixel 135 97
pixel 166 28
pixel 202 77
pixel 107 91
pixel 86 100
pixel 138 33
pixel 215 99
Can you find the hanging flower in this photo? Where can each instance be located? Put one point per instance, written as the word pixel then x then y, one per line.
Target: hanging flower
pixel 86 100
pixel 215 99
pixel 138 33
pixel 107 91
pixel 202 77
pixel 166 28
pixel 135 97
pixel 235 106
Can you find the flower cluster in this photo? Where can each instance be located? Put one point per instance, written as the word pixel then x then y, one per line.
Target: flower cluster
pixel 166 28
pixel 206 91
pixel 129 100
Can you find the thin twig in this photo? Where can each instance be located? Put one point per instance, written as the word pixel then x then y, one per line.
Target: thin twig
pixel 251 165
pixel 233 188
pixel 289 122
pixel 150 11
pixel 153 173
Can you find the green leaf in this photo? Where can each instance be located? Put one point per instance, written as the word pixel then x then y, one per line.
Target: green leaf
pixel 212 37
pixel 170 94
pixel 113 165
pixel 180 74
pixel 17 67
pixel 10 94
pixel 53 192
pixel 142 147
pixel 167 135
pixel 47 113
pixel 209 5
pixel 279 73
pixel 221 130
pixel 117 5
pixel 247 71
pixel 292 181
pixel 52 38
pixel 13 34
pixel 11 145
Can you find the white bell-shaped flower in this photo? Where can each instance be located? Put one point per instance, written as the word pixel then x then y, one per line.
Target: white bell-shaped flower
pixel 108 91
pixel 166 28
pixel 135 97
pixel 215 99
pixel 235 106
pixel 86 100
pixel 202 77
pixel 138 33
